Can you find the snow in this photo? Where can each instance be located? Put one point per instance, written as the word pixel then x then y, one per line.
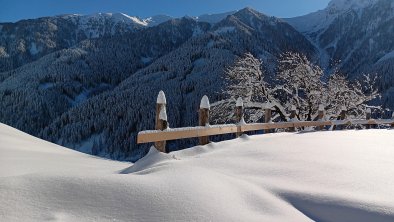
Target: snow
pixel 122 16
pixel 186 128
pixel 268 105
pixel 161 98
pixel 204 104
pixel 163 113
pixel 321 107
pixel 239 102
pixel 3 53
pixel 315 176
pixel 293 108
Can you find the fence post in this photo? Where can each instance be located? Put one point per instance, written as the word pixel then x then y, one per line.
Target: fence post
pixel 161 119
pixel 203 118
pixel 293 115
pixel 368 117
pixel 239 113
pixel 268 116
pixel 320 116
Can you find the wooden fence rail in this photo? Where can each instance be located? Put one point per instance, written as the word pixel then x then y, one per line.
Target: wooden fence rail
pixel 163 134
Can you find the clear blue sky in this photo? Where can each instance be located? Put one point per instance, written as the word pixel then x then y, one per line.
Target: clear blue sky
pixel 13 10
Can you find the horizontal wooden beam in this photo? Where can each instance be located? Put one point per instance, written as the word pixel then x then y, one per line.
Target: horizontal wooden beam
pixel 192 132
pixel 183 133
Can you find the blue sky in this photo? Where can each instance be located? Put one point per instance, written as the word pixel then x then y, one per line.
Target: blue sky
pixel 13 10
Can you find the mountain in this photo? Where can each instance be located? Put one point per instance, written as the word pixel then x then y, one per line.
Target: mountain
pixel 28 40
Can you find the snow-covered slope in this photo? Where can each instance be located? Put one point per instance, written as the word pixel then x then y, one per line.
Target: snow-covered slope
pixel 324 176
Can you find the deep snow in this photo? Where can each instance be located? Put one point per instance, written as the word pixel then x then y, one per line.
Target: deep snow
pixel 321 176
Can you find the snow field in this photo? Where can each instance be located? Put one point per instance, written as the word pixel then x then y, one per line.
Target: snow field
pixel 317 176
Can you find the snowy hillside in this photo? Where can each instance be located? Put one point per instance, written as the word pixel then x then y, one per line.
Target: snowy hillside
pixel 324 176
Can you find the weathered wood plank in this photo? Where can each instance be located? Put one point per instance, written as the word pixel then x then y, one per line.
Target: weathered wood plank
pixel 192 132
pixel 183 133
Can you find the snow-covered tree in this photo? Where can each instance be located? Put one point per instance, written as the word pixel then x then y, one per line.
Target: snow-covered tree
pixel 298 85
pixel 354 96
pixel 245 79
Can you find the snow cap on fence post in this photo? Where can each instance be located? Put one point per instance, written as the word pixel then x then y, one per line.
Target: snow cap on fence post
pixel 239 114
pixel 293 115
pixel 203 118
pixel 204 104
pixel 320 116
pixel 240 102
pixel 161 98
pixel 161 119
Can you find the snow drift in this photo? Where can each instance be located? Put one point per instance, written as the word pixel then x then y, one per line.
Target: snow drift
pixel 318 176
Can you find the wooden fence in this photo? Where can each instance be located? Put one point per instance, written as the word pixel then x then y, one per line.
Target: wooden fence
pixel 161 134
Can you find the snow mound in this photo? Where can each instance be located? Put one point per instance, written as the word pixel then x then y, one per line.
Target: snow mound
pixel 320 176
